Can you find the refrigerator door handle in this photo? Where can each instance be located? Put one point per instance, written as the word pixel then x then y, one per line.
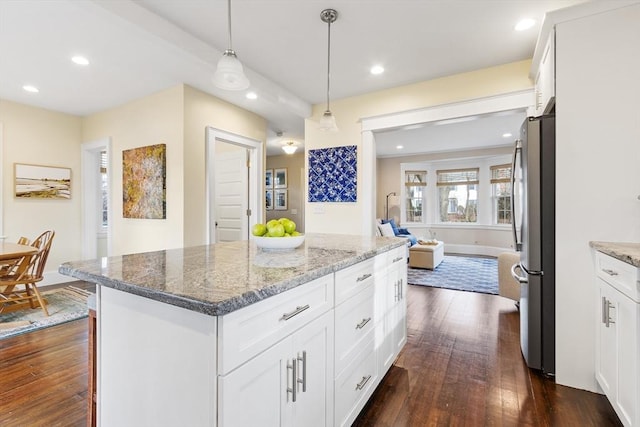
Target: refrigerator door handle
pixel 520 279
pixel 517 153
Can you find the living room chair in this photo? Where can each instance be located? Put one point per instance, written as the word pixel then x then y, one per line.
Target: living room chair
pixel 18 285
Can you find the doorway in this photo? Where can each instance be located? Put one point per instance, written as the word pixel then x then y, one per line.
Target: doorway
pixel 234 167
pixel 96 206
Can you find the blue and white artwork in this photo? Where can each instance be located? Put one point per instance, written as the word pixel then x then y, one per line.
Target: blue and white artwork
pixel 333 174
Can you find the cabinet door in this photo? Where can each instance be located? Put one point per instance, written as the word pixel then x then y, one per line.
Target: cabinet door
pixel 627 398
pixel 398 314
pixel 606 357
pixel 255 394
pixel 313 347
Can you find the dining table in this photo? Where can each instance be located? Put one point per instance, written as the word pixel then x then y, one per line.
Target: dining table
pixel 10 254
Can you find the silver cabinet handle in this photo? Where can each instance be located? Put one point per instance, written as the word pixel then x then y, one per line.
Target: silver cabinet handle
pixel 293 366
pixel 397 259
pixel 608 319
pixel 364 322
pixel 363 277
pixel 363 382
pixel 396 284
pixel 610 272
pixel 303 361
pixel 299 309
pixel 400 287
pixel 604 310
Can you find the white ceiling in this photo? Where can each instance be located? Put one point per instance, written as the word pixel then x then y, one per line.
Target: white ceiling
pixel 140 47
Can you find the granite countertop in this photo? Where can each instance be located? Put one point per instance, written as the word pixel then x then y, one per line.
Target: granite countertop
pixel 623 251
pixel 221 278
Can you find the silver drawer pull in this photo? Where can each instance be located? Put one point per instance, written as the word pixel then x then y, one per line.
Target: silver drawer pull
pixel 364 322
pixel 295 312
pixel 398 259
pixel 363 382
pixel 303 360
pixel 610 272
pixel 363 277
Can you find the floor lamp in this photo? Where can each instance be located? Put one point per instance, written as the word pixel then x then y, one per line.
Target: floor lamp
pixel 393 193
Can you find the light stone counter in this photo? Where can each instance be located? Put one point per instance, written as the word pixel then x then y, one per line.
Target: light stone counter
pixel 623 251
pixel 221 278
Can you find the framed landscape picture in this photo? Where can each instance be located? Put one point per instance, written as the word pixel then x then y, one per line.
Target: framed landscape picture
pixel 280 200
pixel 41 182
pixel 268 178
pixel 269 199
pixel 280 178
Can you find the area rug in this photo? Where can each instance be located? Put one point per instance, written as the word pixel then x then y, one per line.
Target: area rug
pixel 473 274
pixel 64 305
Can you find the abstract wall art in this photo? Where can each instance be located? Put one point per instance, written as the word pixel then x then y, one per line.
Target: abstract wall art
pixel 333 174
pixel 144 182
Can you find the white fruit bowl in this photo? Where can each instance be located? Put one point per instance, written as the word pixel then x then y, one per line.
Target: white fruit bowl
pixel 279 242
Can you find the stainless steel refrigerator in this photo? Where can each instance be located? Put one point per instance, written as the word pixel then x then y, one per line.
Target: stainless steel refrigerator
pixel 533 208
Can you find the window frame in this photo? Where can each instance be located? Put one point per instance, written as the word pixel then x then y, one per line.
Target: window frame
pixel 475 182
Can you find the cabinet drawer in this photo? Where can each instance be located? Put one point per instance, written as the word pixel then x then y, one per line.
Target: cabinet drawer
pixel 353 320
pixel 397 256
pixel 354 386
pixel 620 275
pixel 353 279
pixel 245 333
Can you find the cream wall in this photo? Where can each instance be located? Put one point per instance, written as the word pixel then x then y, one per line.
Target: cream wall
pixel 202 110
pixel 155 119
pixel 177 117
pixel 346 217
pixel 38 136
pixel 294 164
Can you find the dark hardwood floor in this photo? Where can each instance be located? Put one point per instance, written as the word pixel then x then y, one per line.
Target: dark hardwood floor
pixel 461 366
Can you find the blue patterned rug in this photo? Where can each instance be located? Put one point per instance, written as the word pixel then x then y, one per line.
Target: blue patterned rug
pixel 473 274
pixel 64 305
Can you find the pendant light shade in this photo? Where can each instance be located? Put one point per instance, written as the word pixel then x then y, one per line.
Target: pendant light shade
pixel 328 121
pixel 230 73
pixel 289 147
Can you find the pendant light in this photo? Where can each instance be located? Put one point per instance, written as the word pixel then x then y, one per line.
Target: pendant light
pixel 230 74
pixel 328 121
pixel 289 147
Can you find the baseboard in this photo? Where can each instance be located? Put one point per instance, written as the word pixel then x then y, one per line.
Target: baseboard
pixel 54 278
pixel 474 250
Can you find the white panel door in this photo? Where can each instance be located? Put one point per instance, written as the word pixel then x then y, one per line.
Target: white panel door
pixel 231 195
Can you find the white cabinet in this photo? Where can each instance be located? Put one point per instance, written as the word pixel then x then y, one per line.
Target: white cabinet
pixel 545 81
pixel 617 336
pixel 289 384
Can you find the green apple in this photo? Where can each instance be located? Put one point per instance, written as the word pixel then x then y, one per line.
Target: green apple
pixel 259 230
pixel 272 223
pixel 295 233
pixel 276 231
pixel 289 226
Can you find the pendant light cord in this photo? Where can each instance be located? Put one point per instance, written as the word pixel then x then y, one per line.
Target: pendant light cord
pixel 328 60
pixel 229 21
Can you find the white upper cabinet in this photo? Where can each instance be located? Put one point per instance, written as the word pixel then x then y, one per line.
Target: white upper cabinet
pixel 546 77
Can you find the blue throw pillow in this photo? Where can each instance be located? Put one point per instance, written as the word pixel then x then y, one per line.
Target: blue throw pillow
pixel 403 231
pixel 393 225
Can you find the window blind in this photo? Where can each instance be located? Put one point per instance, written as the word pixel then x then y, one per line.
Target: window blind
pixel 458 176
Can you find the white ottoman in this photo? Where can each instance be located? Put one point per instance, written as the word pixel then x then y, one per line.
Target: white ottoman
pixel 426 256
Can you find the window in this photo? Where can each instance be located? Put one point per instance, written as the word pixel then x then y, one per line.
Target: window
pixel 104 186
pixel 501 193
pixel 415 189
pixel 458 195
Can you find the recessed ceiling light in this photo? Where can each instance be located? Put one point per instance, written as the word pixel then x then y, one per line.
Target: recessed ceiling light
pixel 377 69
pixel 399 147
pixel 30 88
pixel 80 60
pixel 251 95
pixel 525 24
pixel 506 135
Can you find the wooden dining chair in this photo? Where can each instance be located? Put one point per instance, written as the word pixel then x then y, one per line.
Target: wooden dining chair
pixel 19 285
pixel 8 266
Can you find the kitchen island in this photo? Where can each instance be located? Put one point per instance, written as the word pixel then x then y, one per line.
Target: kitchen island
pixel 233 335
